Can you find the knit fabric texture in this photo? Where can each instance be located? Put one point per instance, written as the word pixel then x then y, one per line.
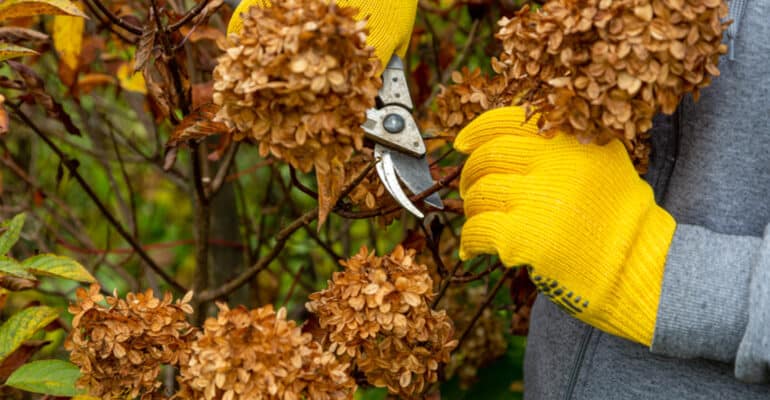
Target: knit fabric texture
pixel 577 215
pixel 711 332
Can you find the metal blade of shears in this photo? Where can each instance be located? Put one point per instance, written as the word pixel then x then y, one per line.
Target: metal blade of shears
pixel 399 144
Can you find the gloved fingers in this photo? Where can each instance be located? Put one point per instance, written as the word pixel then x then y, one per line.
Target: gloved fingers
pixel 494 233
pixel 506 154
pixel 506 121
pixel 390 24
pixel 497 192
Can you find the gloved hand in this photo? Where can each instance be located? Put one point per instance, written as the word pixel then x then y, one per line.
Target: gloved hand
pixel 390 23
pixel 577 215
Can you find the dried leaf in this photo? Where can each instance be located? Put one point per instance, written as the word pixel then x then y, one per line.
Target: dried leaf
pixel 210 8
pixel 145 48
pixel 16 34
pixel 89 82
pixel 32 8
pixel 3 118
pixel 36 88
pixel 16 284
pixel 330 183
pixel 8 51
pixel 20 356
pixel 198 125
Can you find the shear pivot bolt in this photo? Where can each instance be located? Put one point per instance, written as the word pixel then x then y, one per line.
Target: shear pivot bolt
pixel 394 123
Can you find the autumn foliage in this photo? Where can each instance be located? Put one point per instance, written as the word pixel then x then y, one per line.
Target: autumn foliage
pixel 218 194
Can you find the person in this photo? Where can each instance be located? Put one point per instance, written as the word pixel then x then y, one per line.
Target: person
pixel 658 289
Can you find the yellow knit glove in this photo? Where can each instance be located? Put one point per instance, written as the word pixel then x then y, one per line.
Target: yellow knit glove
pixel 577 215
pixel 390 23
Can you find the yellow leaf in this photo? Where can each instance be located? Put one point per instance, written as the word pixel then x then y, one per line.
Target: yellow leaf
pixel 8 51
pixel 32 8
pixel 131 81
pixel 57 266
pixel 68 39
pixel 22 325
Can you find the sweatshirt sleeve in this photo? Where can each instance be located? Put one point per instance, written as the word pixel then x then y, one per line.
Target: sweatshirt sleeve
pixel 715 300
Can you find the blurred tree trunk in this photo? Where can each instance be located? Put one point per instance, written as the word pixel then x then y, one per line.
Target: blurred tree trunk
pixel 227 256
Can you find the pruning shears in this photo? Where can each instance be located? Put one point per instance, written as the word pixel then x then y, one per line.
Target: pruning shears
pixel 399 146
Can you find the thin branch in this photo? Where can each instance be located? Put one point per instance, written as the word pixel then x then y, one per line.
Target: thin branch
pixel 295 279
pixel 280 241
pixel 108 24
pixel 484 305
pixel 189 15
pixel 171 62
pixel 442 183
pixel 311 232
pixel 474 277
pixel 445 284
pixel 458 62
pixel 136 30
pixel 227 162
pixel 262 263
pixel 99 204
pixel 302 188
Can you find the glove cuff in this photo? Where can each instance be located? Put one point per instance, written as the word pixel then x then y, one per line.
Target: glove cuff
pixel 639 282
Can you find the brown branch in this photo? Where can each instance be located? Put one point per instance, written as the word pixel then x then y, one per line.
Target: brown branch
pixel 72 167
pixel 168 56
pixel 445 284
pixel 311 232
pixel 484 305
pixel 302 188
pixel 440 184
pixel 136 30
pixel 295 279
pixel 224 167
pixel 109 25
pixel 189 15
pixel 474 277
pixel 280 241
pixel 459 61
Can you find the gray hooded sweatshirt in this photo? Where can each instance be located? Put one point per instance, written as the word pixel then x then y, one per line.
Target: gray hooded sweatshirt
pixel 711 171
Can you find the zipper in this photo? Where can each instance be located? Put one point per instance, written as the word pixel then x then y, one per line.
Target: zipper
pixel 736 10
pixel 578 364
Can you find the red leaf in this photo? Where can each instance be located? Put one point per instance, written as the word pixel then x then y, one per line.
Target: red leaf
pixel 19 357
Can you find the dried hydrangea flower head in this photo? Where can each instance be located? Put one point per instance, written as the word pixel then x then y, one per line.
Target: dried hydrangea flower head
pixel 298 80
pixel 377 312
pixel 121 347
pixel 470 96
pixel 258 354
pixel 603 68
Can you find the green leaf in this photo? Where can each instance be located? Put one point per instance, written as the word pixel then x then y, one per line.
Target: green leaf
pixel 22 325
pixel 13 226
pixel 9 266
pixel 8 51
pixel 57 266
pixel 52 377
